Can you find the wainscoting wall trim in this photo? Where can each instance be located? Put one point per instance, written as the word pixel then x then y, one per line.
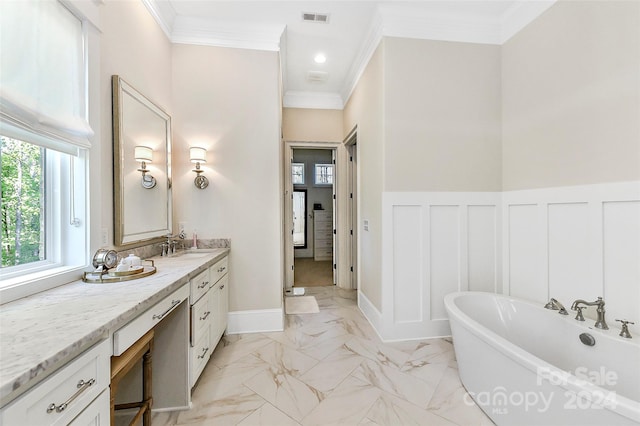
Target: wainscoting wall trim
pixel 564 242
pixel 572 243
pixel 434 243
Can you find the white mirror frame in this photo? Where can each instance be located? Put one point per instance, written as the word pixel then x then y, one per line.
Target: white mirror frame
pixel 140 213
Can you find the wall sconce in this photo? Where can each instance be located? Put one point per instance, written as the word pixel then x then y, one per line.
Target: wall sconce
pixel 199 155
pixel 144 155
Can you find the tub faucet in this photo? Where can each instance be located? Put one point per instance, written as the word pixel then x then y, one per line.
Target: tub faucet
pixel 625 328
pixel 556 306
pixel 600 322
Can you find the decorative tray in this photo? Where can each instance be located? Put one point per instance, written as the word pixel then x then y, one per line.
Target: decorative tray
pixel 118 276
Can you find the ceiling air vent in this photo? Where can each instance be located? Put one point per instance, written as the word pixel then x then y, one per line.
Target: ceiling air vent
pixel 322 18
pixel 317 76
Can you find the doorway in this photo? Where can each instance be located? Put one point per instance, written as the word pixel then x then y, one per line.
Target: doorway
pixel 313 178
pixel 340 228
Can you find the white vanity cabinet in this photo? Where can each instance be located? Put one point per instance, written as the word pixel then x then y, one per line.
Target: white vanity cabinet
pixel 209 307
pixel 79 389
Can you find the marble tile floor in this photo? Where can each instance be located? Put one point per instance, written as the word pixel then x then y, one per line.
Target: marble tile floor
pixel 328 368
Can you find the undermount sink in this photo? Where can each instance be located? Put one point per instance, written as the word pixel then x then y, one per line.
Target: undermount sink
pixel 193 254
pixel 196 253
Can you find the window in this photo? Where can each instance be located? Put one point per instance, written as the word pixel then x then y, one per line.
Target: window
pixel 44 137
pixel 44 213
pixel 23 203
pixel 297 173
pixel 324 174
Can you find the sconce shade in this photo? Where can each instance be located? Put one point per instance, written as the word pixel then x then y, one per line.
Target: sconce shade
pixel 143 153
pixel 197 155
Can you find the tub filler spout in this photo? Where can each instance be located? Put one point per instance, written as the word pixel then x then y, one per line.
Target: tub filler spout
pixel 600 321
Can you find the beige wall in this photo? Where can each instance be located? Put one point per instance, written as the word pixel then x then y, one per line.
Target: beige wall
pixel 442 116
pixel 571 97
pixel 133 46
pixel 312 125
pixel 227 101
pixel 366 109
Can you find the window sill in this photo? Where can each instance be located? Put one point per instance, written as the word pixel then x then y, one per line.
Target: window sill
pixel 28 284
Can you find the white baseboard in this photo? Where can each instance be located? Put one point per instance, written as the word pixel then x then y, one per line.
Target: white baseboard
pixel 255 321
pixel 371 313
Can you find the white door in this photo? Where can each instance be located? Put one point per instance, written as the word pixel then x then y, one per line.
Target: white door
pixel 288 220
pixel 334 214
pixel 353 215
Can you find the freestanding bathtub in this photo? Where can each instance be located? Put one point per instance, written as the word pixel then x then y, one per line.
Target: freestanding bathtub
pixel 526 365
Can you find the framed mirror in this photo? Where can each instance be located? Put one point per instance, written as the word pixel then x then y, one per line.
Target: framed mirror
pixel 141 166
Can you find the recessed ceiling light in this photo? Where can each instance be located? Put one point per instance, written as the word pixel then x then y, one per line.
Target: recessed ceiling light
pixel 320 58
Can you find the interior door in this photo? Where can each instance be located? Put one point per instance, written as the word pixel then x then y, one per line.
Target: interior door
pixel 288 220
pixel 333 216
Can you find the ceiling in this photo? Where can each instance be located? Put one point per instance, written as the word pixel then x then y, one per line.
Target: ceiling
pixel 348 38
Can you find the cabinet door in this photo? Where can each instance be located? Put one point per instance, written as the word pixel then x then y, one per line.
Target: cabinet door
pixel 223 289
pixel 96 414
pixel 214 301
pixel 220 304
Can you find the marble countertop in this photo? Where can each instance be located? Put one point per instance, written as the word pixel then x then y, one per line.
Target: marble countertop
pixel 42 332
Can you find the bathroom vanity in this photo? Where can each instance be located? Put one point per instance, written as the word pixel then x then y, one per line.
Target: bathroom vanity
pixel 55 346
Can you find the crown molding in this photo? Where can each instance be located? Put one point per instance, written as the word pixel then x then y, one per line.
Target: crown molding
pixel 209 32
pixel 312 100
pixel 389 22
pixel 367 49
pixel 163 13
pixel 519 15
pixel 415 23
pixel 190 30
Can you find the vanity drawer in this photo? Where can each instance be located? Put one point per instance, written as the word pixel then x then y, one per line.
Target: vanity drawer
pixel 199 285
pixel 76 384
pixel 219 270
pixel 130 333
pixel 201 316
pixel 200 354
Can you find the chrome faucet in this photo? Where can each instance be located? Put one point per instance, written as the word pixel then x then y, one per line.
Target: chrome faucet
pixel 169 247
pixel 600 322
pixel 556 306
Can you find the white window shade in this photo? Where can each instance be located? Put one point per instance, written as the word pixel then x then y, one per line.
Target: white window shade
pixel 42 75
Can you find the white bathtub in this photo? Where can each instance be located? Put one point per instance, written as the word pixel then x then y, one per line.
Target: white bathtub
pixel 525 365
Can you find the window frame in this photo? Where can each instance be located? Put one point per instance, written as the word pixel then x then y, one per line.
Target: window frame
pixel 67 229
pixel 315 174
pixel 293 180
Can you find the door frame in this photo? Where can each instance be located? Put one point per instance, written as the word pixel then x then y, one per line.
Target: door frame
pixel 340 188
pixel 351 145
